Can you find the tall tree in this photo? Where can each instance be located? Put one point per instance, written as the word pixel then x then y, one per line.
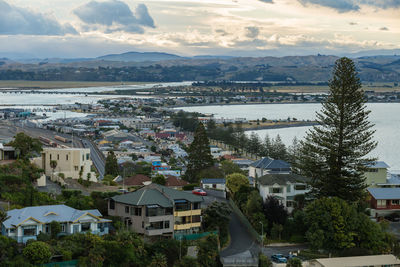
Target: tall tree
pixel 26 146
pixel 199 154
pixel 334 153
pixel 111 164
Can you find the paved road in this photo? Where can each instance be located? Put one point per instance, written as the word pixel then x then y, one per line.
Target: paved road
pixel 241 240
pixel 97 159
pixel 285 250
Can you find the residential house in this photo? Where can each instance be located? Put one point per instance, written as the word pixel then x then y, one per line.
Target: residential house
pixel 359 261
pixel 376 174
pixel 175 182
pixel 267 165
pixel 74 163
pixel 156 210
pixel 384 201
pixel 7 152
pixel 26 223
pixel 214 183
pixel 136 180
pixel 284 187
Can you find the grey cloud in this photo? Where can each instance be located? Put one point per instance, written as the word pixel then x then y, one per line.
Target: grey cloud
pixel 353 23
pixel 352 5
pixel 16 20
pixel 115 15
pixel 384 29
pixel 252 32
pixel 267 1
pixel 339 5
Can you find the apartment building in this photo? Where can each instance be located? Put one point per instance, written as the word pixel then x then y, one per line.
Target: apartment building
pixel 156 210
pixel 72 162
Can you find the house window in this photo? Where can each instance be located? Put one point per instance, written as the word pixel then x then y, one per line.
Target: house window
pixel 196 219
pixel 395 202
pixel 63 228
pixel 142 224
pixel 12 230
pixel 288 188
pixel 66 157
pixel 29 230
pixel 112 204
pixel 76 168
pixel 373 170
pixel 166 224
pixel 300 187
pixel 47 228
pixel 87 156
pixel 381 203
pixel 126 209
pixel 85 227
pixel 58 156
pixel 275 190
pixel 138 211
pixel 50 156
pixel 196 205
pixel 76 228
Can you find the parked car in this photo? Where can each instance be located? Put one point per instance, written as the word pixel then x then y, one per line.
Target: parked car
pixel 278 258
pixel 394 217
pixel 199 192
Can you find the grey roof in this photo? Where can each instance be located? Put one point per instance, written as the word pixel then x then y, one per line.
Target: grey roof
pixel 378 164
pixel 47 214
pixel 271 164
pixel 213 181
pixel 282 179
pixel 385 193
pixel 155 194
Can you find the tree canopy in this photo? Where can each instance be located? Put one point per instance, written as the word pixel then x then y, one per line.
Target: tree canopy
pixel 111 166
pixel 235 180
pixel 334 153
pixel 25 145
pixel 199 154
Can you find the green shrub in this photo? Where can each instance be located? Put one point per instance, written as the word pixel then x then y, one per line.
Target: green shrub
pixel 189 187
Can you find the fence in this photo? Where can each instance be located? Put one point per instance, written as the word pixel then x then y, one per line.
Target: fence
pixel 244 221
pixel 193 236
pixel 72 263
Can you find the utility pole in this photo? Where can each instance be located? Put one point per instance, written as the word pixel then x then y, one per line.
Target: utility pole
pixel 262 235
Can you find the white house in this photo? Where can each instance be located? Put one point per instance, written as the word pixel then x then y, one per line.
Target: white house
pixel 268 165
pixel 25 224
pixel 284 187
pixel 213 183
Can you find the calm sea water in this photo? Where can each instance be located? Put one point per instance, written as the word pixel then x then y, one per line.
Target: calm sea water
pixel 385 116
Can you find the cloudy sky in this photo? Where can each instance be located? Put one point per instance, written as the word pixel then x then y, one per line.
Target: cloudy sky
pixel 78 28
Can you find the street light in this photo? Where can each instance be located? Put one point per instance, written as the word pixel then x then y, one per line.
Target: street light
pixel 262 234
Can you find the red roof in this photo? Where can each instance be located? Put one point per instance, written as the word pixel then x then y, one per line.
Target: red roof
pixel 173 181
pixel 136 180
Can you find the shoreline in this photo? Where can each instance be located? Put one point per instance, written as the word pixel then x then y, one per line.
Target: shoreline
pixel 281 126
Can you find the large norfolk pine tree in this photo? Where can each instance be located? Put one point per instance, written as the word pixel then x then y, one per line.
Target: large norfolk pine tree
pixel 334 152
pixel 199 157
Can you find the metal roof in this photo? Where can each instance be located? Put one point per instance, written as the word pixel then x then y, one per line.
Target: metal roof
pixel 282 179
pixel 47 214
pixel 378 164
pixel 213 181
pixel 384 193
pixel 155 194
pixel 271 164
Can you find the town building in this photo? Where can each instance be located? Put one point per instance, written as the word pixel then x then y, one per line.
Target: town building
pixel 156 210
pixel 26 223
pixel 384 201
pixel 376 174
pixel 283 187
pixel 359 261
pixel 214 183
pixel 74 163
pixel 267 165
pixel 7 152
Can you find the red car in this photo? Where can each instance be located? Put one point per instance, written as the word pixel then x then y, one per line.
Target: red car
pixel 199 192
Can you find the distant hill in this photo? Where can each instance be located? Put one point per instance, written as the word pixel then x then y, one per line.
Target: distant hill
pixel 139 57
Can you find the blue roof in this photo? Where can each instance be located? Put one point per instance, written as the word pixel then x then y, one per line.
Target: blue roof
pixel 271 164
pixel 47 214
pixel 385 193
pixel 213 181
pixel 378 164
